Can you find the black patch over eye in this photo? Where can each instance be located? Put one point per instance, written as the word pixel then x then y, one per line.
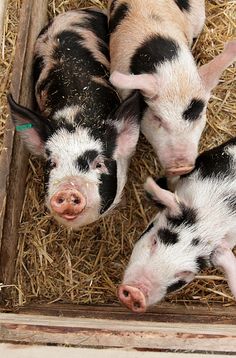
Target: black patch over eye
pixel 150 226
pixel 183 4
pixel 176 286
pixel 167 237
pixel 187 217
pixel 119 14
pixel 201 262
pixel 83 161
pixel 194 110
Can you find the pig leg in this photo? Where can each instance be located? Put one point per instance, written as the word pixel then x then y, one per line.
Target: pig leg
pixel 224 258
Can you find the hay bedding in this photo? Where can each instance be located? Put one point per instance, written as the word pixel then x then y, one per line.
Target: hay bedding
pixel 55 264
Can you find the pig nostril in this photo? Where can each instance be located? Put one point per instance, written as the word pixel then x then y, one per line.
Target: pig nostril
pixel 60 200
pixel 76 201
pixel 137 304
pixel 126 293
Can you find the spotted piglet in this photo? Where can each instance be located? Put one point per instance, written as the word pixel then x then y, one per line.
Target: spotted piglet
pixel 195 228
pixel 150 51
pixel 85 135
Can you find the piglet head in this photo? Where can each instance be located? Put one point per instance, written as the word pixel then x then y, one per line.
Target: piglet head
pixel 166 257
pixel 86 167
pixel 176 95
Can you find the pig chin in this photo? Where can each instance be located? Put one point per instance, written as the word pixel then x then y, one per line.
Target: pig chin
pixel 88 216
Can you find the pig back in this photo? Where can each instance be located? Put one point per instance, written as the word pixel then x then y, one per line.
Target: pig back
pixel 71 66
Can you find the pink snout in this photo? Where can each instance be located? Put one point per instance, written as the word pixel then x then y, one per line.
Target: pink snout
pixel 133 298
pixel 179 171
pixel 68 203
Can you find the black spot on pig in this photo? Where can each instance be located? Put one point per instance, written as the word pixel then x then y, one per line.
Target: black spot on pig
pixel 176 286
pixel 150 226
pixel 167 237
pixel 83 161
pixel 196 241
pixel 215 163
pixel 70 80
pixel 116 18
pixel 183 4
pixel 153 52
pixel 187 217
pixel 108 186
pixel 194 110
pixel 201 263
pixel 97 23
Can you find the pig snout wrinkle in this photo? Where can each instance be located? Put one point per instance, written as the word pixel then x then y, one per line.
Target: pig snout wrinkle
pixel 133 298
pixel 68 203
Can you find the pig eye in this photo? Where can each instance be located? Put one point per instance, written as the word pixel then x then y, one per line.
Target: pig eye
pixel 99 164
pixel 154 241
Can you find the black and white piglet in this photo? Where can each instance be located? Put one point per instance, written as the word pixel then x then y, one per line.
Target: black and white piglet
pixel 85 135
pixel 195 228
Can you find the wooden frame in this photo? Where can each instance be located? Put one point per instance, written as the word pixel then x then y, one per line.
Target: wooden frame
pixel 167 327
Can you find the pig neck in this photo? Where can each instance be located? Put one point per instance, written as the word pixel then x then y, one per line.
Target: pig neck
pixel 215 220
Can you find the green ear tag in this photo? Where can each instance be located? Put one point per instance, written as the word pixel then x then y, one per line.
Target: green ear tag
pixel 23 127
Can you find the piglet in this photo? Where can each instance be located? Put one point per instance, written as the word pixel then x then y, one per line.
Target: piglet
pixel 195 228
pixel 81 130
pixel 150 50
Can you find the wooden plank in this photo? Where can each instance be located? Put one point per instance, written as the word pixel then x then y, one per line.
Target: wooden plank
pixel 85 332
pixel 164 312
pixel 13 160
pixel 3 7
pixel 39 351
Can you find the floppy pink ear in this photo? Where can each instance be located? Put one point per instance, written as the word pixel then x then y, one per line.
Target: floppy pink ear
pixel 210 73
pixel 32 127
pixel 224 258
pixel 162 196
pixel 127 121
pixel 145 82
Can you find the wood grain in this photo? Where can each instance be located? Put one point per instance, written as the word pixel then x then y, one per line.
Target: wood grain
pixel 13 160
pixel 164 312
pixel 86 332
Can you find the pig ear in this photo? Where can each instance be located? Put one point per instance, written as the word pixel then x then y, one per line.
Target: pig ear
pixel 127 121
pixel 224 258
pixel 162 196
pixel 33 128
pixel 146 83
pixel 210 73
